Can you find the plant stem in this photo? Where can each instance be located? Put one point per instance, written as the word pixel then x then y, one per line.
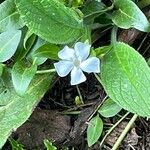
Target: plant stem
pixel 114 35
pixel 125 131
pixel 113 127
pixel 45 71
pixel 98 78
pixel 144 3
pixel 81 99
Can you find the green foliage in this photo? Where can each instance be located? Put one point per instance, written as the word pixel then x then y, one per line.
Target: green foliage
pixel 51 20
pixel 15 110
pixel 9 41
pixel 33 32
pixel 49 145
pixel 1 68
pixel 48 51
pixel 129 15
pixel 9 16
pixel 109 108
pixel 22 76
pixel 94 130
pixel 15 145
pixel 125 77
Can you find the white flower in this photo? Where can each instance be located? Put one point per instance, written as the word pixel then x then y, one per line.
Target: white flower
pixel 76 61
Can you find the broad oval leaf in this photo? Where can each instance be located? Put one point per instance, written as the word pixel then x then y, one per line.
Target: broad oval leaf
pixel 109 108
pixel 51 20
pixel 9 17
pixel 126 78
pixel 9 41
pixel 22 76
pixel 129 15
pixel 18 109
pixel 94 130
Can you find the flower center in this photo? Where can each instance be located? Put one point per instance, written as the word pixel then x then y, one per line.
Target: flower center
pixel 77 62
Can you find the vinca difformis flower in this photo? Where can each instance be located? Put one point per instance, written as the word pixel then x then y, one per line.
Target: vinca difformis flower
pixel 76 61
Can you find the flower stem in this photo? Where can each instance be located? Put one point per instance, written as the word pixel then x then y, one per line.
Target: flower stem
pixel 114 35
pixel 98 78
pixel 80 96
pixel 125 131
pixel 45 71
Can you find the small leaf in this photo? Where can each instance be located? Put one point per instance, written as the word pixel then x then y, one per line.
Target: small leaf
pixel 48 51
pixel 129 15
pixel 9 17
pixel 125 76
pixel 38 60
pixel 109 108
pixel 22 76
pixel 15 145
pixel 94 130
pixel 29 40
pixel 9 41
pixel 51 20
pixel 18 109
pixel 49 145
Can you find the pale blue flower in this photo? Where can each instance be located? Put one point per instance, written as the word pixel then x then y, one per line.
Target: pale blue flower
pixel 76 61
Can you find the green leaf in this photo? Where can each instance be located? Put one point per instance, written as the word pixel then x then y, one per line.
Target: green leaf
pixel 16 109
pixel 15 145
pixel 51 20
pixel 94 130
pixel 48 51
pixel 109 108
pixel 29 40
pixel 92 10
pixel 9 17
pixel 49 145
pixel 38 60
pixel 22 76
pixel 129 15
pixel 9 41
pixel 125 76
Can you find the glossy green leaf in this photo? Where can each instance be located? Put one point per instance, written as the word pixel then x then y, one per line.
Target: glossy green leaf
pixel 9 17
pixel 51 20
pixel 16 109
pixel 48 51
pixel 9 41
pixel 49 145
pixel 129 15
pixel 94 130
pixel 22 76
pixel 125 76
pixel 109 108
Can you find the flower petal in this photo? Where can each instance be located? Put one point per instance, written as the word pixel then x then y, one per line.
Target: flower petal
pixel 77 76
pixel 66 53
pixel 92 64
pixel 63 67
pixel 82 50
